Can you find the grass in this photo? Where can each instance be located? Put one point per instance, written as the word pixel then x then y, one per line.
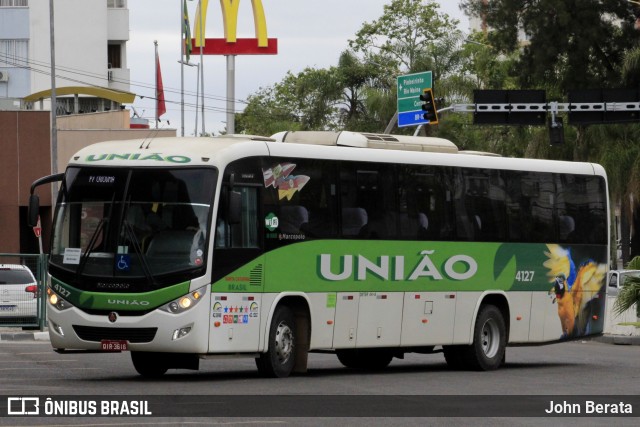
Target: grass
pixel 636 324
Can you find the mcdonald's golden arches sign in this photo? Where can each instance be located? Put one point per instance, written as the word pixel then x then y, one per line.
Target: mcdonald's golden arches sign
pixel 231 44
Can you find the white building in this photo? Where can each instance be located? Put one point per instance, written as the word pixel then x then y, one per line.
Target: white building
pixel 90 44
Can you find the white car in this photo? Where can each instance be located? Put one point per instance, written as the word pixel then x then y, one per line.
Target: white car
pixel 616 279
pixel 18 294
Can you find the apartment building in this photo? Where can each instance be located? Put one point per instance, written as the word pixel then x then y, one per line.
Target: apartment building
pixel 90 50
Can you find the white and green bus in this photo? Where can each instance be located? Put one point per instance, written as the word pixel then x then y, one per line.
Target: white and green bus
pixel 368 246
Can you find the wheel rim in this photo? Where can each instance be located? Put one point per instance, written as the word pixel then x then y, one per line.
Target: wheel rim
pixel 284 342
pixel 490 338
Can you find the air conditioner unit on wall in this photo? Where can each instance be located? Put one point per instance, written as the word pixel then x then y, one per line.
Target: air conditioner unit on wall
pixel 4 76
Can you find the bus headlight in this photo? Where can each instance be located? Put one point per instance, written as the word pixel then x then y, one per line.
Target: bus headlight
pixel 185 302
pixel 182 332
pixel 57 301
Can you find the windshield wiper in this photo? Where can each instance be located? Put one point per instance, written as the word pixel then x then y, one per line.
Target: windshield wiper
pixel 138 250
pixel 94 236
pixel 92 242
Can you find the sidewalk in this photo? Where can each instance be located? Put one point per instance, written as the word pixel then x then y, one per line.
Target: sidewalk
pixel 17 334
pixel 619 339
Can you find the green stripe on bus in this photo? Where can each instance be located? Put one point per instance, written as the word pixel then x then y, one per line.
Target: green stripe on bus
pixel 353 265
pixel 119 301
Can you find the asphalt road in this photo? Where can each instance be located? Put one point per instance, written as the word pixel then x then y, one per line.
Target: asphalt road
pixel 589 369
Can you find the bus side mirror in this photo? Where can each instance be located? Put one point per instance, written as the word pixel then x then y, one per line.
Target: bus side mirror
pixel 34 210
pixel 234 208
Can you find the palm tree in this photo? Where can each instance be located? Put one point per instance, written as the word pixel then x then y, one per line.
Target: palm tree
pixel 616 149
pixel 631 68
pixel 629 294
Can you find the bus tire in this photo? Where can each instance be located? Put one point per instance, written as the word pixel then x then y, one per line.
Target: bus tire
pixel 149 365
pixel 369 359
pixel 489 341
pixel 279 360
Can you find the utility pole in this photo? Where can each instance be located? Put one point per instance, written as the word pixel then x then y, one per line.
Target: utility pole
pixel 231 93
pixel 201 68
pixel 54 103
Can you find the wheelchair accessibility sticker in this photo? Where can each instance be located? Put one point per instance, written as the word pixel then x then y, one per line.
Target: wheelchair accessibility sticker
pixel 123 262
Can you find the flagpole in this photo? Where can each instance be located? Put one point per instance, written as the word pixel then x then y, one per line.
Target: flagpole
pixel 201 68
pixel 155 43
pixel 195 129
pixel 182 42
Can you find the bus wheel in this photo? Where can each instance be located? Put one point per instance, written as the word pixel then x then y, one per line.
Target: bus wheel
pixel 489 341
pixel 279 360
pixel 370 359
pixel 149 365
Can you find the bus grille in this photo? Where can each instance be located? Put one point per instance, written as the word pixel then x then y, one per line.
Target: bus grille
pixel 255 276
pixel 133 335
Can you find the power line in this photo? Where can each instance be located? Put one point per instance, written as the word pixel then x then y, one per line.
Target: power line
pixel 33 65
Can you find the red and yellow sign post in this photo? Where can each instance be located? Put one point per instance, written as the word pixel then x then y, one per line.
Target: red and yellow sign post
pixel 231 45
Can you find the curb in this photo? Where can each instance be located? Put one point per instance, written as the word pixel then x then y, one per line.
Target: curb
pixel 618 339
pixel 24 336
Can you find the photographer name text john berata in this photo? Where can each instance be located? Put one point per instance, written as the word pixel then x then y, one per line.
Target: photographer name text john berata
pixel 589 407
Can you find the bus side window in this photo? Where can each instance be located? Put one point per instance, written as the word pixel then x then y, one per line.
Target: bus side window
pixel 368 205
pixel 579 199
pixel 245 233
pixel 313 210
pixel 354 222
pixel 293 219
pixel 425 209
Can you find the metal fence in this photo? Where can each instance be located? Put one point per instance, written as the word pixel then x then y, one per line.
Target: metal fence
pixel 22 290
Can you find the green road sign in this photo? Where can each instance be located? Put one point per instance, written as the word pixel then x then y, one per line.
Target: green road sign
pixel 410 87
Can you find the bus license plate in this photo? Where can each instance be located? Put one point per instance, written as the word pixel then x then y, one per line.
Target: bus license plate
pixel 7 307
pixel 113 345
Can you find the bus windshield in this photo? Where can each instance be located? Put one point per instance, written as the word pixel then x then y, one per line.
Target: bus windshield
pixel 120 223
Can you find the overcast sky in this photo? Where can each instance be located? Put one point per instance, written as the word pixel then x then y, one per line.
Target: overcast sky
pixel 309 33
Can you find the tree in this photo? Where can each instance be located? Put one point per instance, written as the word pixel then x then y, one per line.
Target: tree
pixel 357 79
pixel 631 68
pixel 404 32
pixel 618 152
pixel 410 36
pixel 569 44
pixel 267 112
pixel 306 101
pixel 629 294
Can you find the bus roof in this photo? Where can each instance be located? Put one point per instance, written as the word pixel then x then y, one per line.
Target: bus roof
pixel 219 151
pixel 368 140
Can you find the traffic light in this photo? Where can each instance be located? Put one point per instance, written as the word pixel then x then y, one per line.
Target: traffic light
pixel 429 107
pixel 556 131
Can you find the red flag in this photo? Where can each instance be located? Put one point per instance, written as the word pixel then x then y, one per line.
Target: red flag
pixel 161 108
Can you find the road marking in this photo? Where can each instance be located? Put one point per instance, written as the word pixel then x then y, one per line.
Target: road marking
pixel 42 361
pixel 172 423
pixel 47 367
pixel 40 352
